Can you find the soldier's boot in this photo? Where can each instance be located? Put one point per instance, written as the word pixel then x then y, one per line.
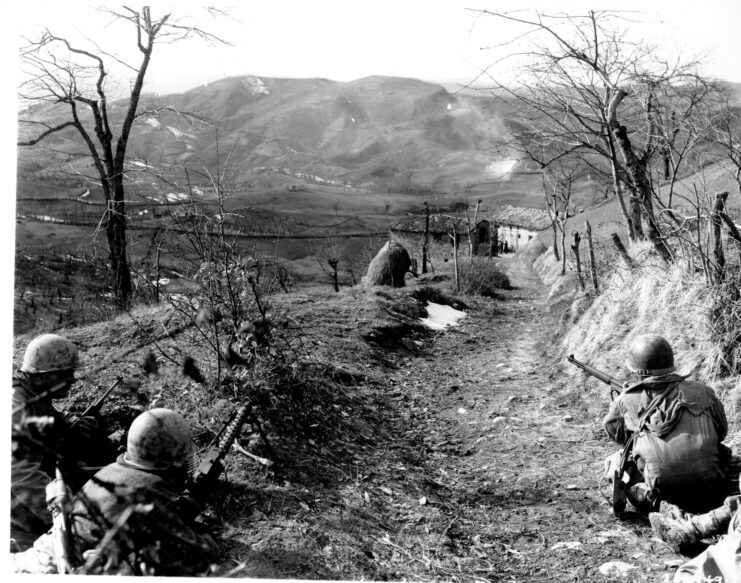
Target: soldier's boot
pixel 690 530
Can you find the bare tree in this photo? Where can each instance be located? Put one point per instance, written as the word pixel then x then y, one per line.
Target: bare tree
pixel 77 79
pixel 589 93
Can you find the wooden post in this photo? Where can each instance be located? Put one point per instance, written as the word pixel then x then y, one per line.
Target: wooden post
pixel 575 249
pixel 630 264
pixel 426 242
pixel 735 235
pixel 493 241
pixel 592 266
pixel 715 221
pixel 455 256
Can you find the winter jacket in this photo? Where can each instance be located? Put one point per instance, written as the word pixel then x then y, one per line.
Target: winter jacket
pixel 678 448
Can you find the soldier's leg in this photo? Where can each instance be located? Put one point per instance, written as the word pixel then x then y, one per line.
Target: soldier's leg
pixel 694 527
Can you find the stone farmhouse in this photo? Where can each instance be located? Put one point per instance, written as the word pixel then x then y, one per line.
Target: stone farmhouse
pixel 516 226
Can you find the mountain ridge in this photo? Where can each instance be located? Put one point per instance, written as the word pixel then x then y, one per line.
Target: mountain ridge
pixel 384 133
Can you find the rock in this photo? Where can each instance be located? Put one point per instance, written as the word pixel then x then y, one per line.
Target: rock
pixel 462 411
pixel 498 421
pixel 616 569
pixel 567 418
pixel 567 546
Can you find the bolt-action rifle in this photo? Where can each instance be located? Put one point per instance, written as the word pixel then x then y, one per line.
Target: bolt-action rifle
pixel 623 476
pixel 616 384
pixel 57 499
pixel 210 468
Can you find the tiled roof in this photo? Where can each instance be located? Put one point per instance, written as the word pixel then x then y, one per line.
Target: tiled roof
pixel 526 218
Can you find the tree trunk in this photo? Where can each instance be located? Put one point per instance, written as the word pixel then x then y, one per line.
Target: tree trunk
pixel 716 222
pixel 116 236
pixel 642 192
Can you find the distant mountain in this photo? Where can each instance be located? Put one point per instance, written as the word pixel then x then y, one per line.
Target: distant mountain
pixel 376 132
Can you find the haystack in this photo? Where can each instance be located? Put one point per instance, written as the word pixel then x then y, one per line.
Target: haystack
pixel 389 266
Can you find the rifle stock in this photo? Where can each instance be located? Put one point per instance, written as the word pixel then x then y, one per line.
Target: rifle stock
pixel 616 384
pixel 65 554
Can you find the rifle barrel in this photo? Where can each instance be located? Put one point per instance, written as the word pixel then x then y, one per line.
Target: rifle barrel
pixel 596 373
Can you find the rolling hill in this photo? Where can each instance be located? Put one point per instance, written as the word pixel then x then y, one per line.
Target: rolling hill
pixel 381 133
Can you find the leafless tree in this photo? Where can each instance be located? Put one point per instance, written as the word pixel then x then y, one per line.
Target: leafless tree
pixel 587 92
pixel 76 80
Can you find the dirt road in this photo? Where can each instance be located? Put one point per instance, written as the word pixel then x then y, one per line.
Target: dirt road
pixel 511 458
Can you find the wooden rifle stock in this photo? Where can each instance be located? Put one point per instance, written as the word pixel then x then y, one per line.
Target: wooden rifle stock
pixel 65 554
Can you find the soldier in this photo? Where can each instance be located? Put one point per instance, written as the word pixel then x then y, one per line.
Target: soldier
pixel 671 431
pixel 135 506
pixel 41 432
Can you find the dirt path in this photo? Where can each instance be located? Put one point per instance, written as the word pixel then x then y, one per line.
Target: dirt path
pixel 513 459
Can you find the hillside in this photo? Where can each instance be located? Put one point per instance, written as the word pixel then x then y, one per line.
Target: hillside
pixel 383 133
pixel 468 454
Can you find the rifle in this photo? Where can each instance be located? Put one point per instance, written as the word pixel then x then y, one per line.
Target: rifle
pixel 65 553
pixel 211 467
pixel 95 408
pixel 616 385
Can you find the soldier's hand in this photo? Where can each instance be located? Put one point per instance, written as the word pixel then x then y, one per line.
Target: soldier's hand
pixel 87 426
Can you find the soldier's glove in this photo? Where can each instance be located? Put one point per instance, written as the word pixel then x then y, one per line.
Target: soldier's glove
pixel 87 427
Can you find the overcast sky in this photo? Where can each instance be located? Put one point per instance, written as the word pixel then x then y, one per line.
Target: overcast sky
pixel 348 39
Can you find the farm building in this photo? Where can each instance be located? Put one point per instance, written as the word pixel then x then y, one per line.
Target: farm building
pixel 409 230
pixel 516 226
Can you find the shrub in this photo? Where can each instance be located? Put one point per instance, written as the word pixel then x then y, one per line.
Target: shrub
pixel 483 277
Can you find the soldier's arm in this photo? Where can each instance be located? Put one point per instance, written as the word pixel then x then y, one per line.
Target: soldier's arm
pixel 614 423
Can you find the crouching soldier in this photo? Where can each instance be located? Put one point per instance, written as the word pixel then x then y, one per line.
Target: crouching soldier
pixel 130 518
pixel 41 432
pixel 671 430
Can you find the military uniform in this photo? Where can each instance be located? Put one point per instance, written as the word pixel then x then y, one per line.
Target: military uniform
pixel 677 451
pixel 134 506
pixel 156 531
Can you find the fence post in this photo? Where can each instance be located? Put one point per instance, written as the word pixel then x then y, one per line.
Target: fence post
pixel 592 266
pixel 575 249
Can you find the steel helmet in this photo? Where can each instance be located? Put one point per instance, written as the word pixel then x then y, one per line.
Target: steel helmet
pixel 650 355
pixel 159 439
pixel 49 353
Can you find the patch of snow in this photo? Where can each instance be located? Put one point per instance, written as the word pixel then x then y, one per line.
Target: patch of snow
pixel 440 317
pixel 163 281
pixel 176 196
pixel 449 106
pixel 144 212
pixel 138 163
pixel 84 194
pixel 178 134
pixel 616 568
pixel 155 123
pixel 568 546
